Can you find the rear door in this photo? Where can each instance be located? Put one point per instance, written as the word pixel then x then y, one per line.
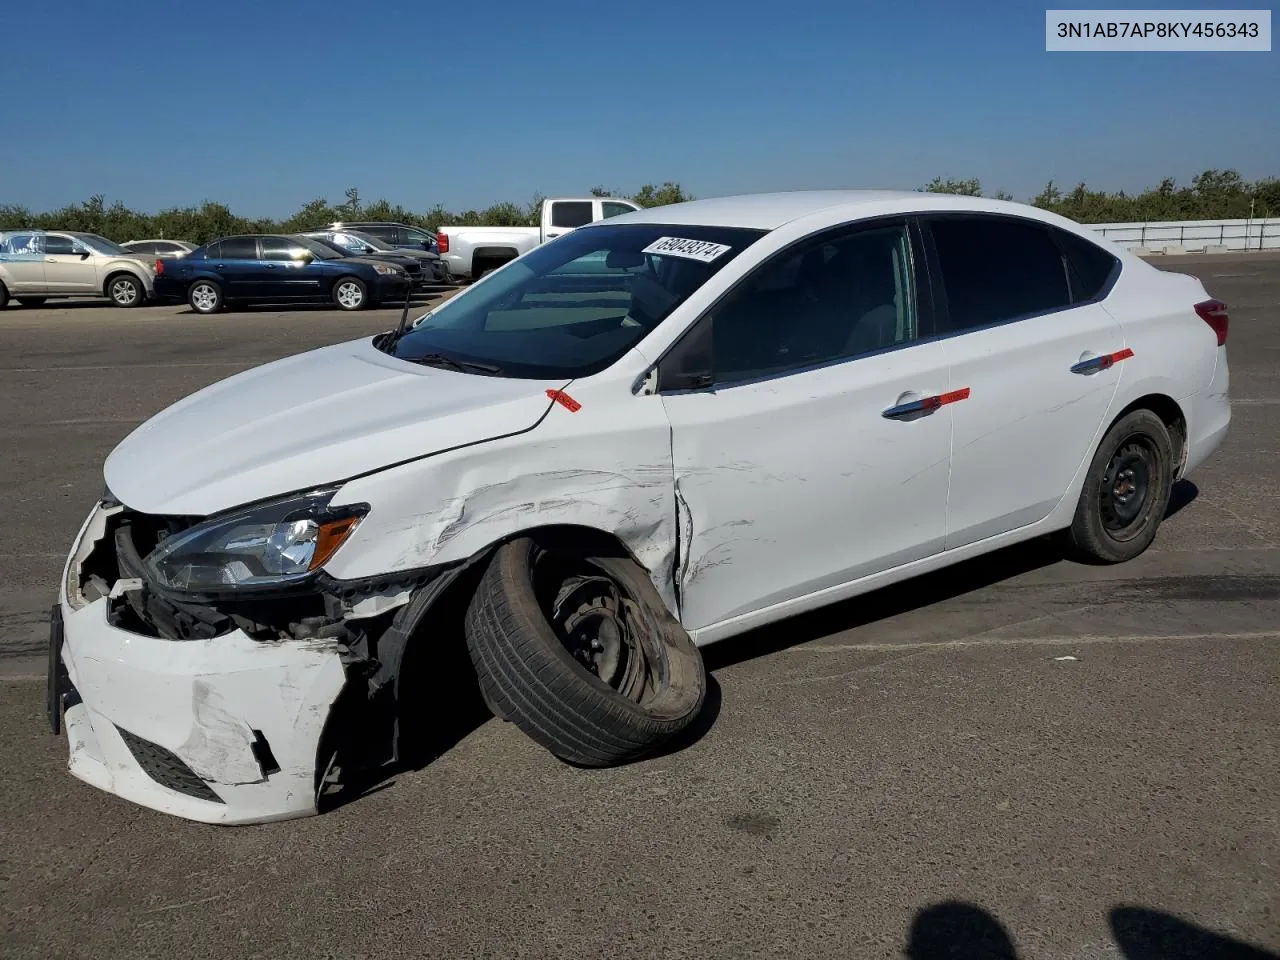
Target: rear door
pixel 1032 350
pixel 22 255
pixel 240 268
pixel 70 266
pixel 289 275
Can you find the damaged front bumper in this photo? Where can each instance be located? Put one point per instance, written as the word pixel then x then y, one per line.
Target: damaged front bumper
pixel 200 715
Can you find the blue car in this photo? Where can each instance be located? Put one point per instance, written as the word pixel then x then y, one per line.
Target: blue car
pixel 266 268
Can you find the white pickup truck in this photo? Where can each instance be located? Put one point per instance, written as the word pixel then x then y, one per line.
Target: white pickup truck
pixel 474 251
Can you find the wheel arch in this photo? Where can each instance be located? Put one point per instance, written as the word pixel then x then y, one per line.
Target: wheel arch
pixel 122 271
pixel 1170 413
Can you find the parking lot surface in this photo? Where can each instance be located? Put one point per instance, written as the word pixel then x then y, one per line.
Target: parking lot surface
pixel 1046 759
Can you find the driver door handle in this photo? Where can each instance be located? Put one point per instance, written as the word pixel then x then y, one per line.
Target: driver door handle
pixel 926 404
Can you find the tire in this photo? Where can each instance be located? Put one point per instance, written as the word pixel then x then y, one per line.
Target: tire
pixel 205 297
pixel 31 301
pixel 529 676
pixel 1126 491
pixel 350 293
pixel 126 290
pixel 4 296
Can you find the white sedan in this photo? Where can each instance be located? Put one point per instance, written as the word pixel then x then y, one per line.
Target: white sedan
pixel 653 433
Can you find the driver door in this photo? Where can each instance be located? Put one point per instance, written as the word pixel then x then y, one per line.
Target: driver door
pixel 70 266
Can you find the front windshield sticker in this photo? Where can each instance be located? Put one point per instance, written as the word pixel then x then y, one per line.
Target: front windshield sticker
pixel 702 250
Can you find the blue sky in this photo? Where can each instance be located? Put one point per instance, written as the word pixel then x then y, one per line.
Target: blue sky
pixel 266 105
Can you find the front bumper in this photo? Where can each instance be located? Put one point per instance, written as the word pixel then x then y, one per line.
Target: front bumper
pixel 225 730
pixel 392 288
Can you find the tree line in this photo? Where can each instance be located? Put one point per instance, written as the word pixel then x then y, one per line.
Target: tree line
pixel 1211 195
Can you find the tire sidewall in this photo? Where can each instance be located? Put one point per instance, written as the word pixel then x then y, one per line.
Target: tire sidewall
pixel 1088 530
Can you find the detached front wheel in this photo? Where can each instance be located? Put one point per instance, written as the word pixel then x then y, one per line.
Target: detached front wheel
pixel 582 655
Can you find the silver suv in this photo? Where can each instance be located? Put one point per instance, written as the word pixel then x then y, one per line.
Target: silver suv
pixel 36 265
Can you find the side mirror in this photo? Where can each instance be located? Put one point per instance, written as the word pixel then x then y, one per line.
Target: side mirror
pixel 84 254
pixel 304 258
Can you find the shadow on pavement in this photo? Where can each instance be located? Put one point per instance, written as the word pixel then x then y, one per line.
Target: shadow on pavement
pixel 963 931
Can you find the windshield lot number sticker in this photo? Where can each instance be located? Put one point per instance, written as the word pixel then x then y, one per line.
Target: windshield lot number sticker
pixel 689 249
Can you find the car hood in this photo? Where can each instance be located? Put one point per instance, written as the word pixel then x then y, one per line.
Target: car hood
pixel 308 420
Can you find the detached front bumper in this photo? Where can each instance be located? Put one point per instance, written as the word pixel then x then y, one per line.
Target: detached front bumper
pixel 223 730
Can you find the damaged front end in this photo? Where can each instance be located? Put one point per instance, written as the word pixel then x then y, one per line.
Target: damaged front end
pixel 211 665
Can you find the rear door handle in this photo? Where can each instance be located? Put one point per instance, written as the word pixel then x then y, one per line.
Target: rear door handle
pixel 925 404
pixel 1103 362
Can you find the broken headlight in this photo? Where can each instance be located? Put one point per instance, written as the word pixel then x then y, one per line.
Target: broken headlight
pixel 267 546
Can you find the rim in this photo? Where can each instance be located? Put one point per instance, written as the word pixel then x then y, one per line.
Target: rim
pixel 350 295
pixel 601 626
pixel 1125 494
pixel 203 297
pixel 124 291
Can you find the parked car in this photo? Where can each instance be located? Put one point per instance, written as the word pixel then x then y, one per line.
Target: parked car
pixel 268 268
pixel 39 265
pixel 354 243
pixel 159 248
pixel 662 431
pixel 410 265
pixel 474 251
pixel 388 231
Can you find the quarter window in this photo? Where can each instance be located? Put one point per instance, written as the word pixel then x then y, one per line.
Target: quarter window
pixel 571 213
pixel 1091 266
pixel 833 299
pixel 998 269
pixel 239 248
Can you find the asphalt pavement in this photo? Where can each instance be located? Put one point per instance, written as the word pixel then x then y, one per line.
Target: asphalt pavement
pixel 1019 754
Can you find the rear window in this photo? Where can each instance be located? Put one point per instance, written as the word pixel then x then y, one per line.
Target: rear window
pixel 573 307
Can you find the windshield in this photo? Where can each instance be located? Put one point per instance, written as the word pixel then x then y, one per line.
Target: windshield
pixel 334 249
pixel 572 307
pixel 102 245
pixel 321 251
pixel 368 240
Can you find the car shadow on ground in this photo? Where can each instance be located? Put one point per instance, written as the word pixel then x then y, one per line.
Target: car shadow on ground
pixel 962 931
pixel 443 704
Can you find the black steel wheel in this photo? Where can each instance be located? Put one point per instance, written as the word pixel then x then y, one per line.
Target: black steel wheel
pixel 1126 491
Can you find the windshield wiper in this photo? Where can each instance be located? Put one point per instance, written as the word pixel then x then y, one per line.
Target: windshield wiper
pixel 449 363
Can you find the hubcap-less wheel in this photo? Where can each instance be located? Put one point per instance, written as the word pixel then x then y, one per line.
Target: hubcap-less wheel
pixel 349 295
pixel 204 298
pixel 124 291
pixel 1125 491
pixel 601 627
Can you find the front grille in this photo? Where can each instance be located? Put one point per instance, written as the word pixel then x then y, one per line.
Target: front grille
pixel 166 768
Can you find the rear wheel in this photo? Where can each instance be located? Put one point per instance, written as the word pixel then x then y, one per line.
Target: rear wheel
pixel 125 290
pixel 205 296
pixel 581 654
pixel 32 301
pixel 1126 491
pixel 350 294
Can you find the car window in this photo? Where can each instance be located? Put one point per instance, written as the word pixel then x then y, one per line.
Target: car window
pixel 238 248
pixel 996 269
pixel 56 246
pixel 1091 266
pixel 831 299
pixel 143 248
pixel 348 242
pixel 573 307
pixel 382 233
pixel 571 213
pixel 413 236
pixel 22 244
pixel 281 248
pixel 611 208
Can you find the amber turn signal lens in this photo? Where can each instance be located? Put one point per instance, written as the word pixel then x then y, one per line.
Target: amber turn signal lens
pixel 331 536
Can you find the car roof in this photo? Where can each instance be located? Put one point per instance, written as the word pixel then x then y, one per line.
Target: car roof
pixel 768 211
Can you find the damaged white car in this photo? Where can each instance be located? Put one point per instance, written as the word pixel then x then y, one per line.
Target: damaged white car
pixel 652 433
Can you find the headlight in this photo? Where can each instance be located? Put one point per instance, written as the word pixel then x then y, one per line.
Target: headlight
pixel 266 546
pixel 386 269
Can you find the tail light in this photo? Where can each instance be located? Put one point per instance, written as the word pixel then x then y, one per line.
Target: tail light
pixel 1214 313
pixel 159 267
pixel 442 242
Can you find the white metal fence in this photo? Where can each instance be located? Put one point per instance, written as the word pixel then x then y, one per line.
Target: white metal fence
pixel 1195 236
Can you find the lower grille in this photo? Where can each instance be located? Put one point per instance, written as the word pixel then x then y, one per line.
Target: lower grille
pixel 166 768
